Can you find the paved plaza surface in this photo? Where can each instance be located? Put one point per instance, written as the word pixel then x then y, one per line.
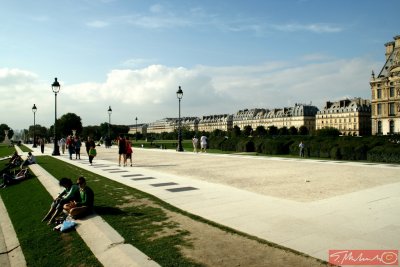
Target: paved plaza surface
pixel 307 205
pixel 311 206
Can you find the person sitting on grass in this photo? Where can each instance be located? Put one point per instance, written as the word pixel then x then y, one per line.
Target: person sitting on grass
pixel 83 207
pixel 29 160
pixel 15 160
pixel 70 193
pixel 9 179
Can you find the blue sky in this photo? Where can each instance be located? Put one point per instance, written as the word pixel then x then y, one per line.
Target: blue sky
pixel 226 55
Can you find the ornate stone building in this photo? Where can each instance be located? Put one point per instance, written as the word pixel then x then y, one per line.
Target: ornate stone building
pixel 297 116
pixel 350 117
pixel 252 117
pixel 385 92
pixel 210 123
pixel 170 124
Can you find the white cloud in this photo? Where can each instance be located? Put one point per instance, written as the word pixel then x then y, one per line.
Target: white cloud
pixel 97 24
pixel 156 8
pixel 150 93
pixel 316 27
pixel 137 62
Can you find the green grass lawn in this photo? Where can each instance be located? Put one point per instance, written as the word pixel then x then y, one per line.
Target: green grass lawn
pixel 139 217
pixel 26 203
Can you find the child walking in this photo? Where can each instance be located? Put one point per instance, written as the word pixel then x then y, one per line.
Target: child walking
pixel 92 154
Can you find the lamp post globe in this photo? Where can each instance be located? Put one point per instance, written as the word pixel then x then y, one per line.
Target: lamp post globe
pixel 34 109
pixel 179 95
pixel 56 89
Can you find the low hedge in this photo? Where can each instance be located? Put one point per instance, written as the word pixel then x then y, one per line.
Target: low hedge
pixel 372 148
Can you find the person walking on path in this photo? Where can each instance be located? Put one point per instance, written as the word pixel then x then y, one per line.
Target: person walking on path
pixel 62 144
pixel 70 146
pixel 41 143
pixel 203 143
pixel 128 151
pixel 301 148
pixel 121 149
pixel 78 145
pixel 195 142
pixel 88 144
pixel 92 153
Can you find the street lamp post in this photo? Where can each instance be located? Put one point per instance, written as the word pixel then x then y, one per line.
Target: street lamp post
pixel 34 109
pixel 179 95
pixel 56 88
pixel 136 129
pixel 109 123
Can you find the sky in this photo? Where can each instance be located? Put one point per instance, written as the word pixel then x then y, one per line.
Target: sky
pixel 226 55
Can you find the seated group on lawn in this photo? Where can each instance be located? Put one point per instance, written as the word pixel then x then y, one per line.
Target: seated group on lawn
pixel 9 174
pixel 10 179
pixel 76 200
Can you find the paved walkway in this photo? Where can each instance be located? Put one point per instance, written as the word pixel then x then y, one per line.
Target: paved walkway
pixel 307 205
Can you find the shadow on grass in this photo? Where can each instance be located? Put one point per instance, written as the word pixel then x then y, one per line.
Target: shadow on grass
pixel 103 210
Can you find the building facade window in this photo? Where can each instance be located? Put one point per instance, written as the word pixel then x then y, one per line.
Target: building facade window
pixel 379 109
pixel 379 93
pixel 391 109
pixel 391 91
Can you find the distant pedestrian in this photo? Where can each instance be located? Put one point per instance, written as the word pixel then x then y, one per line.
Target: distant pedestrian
pixel 62 143
pixel 128 151
pixel 78 145
pixel 88 144
pixel 301 148
pixel 203 143
pixel 92 153
pixel 121 149
pixel 41 143
pixel 195 142
pixel 71 146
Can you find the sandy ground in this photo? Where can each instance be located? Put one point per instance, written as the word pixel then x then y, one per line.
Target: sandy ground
pixel 295 179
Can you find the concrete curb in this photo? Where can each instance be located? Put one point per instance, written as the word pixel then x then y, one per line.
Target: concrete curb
pixel 12 249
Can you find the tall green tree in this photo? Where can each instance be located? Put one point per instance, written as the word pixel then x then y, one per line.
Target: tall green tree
pixel 293 130
pixel 4 127
pixel 260 131
pixel 283 131
pixel 247 130
pixel 69 122
pixel 272 130
pixel 236 132
pixel 303 130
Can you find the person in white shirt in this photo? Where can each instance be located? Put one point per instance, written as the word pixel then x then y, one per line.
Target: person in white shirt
pixel 203 143
pixel 301 147
pixel 195 142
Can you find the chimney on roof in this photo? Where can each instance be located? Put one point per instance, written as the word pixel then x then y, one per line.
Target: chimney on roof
pixel 328 104
pixel 389 49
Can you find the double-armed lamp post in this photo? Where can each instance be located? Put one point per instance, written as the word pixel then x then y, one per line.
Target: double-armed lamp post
pixel 34 109
pixel 56 88
pixel 179 95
